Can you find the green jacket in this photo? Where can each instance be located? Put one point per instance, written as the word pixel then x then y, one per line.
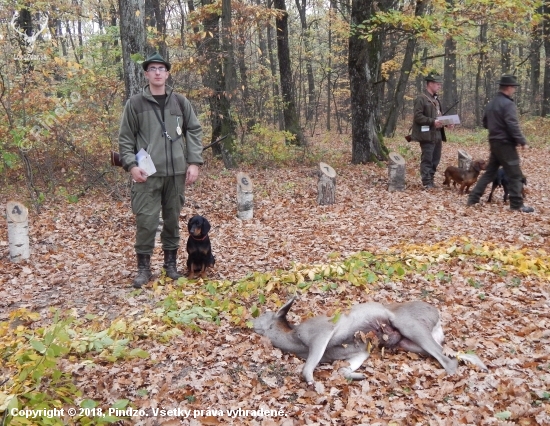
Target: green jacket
pixel 140 128
pixel 426 110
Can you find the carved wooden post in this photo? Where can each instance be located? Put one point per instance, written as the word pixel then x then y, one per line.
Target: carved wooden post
pixel 464 160
pixel 245 197
pixel 326 185
pixel 18 231
pixel 396 172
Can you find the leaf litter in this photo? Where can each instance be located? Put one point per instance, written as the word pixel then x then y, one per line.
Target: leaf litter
pixel 187 345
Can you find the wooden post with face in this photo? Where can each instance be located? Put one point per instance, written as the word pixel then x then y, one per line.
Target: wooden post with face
pixel 326 185
pixel 18 231
pixel 245 197
pixel 464 160
pixel 396 172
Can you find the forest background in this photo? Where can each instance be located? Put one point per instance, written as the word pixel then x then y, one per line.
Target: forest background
pixel 268 74
pixel 292 84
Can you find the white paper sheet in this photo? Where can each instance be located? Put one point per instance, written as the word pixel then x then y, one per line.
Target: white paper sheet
pixel 145 162
pixel 449 119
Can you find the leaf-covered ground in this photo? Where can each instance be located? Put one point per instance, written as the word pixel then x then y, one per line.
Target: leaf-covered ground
pixel 187 345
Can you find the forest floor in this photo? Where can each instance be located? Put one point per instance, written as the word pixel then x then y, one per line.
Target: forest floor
pixel 188 346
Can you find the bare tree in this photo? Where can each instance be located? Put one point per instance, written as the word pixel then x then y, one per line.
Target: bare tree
pixel 364 62
pixel 397 101
pixel 133 38
pixel 545 111
pixel 309 67
pixel 292 120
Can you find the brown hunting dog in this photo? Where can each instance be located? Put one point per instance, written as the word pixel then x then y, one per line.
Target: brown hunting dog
pixel 462 177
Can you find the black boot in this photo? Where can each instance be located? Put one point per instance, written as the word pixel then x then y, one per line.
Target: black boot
pixel 170 259
pixel 144 270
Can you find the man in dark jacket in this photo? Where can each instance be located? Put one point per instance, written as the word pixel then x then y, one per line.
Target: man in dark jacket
pixel 501 119
pixel 166 127
pixel 427 130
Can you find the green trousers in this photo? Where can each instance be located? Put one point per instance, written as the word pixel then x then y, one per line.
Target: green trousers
pixel 505 155
pixel 429 160
pixel 156 194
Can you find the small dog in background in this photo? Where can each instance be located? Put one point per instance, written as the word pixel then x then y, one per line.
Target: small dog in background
pixel 502 180
pixel 462 177
pixel 199 249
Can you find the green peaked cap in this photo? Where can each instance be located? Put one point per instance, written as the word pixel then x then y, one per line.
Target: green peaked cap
pixel 433 76
pixel 155 58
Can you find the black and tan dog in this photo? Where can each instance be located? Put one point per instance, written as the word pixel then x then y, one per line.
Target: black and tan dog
pixel 502 180
pixel 464 178
pixel 199 249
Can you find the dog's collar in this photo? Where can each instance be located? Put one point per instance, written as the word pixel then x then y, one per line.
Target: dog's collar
pixel 199 239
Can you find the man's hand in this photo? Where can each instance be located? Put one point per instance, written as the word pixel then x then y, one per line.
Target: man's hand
pixel 438 124
pixel 138 174
pixel 192 174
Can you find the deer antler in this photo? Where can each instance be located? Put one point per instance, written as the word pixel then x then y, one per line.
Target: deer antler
pixel 30 39
pixel 12 24
pixel 43 24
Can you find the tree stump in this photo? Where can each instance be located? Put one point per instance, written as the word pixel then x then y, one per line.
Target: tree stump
pixel 18 231
pixel 245 197
pixel 326 185
pixel 396 172
pixel 464 160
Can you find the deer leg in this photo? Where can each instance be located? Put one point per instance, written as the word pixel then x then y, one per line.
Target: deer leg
pixel 317 348
pixel 354 363
pixel 419 337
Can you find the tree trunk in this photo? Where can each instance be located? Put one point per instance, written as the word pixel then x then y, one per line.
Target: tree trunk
pixel 329 64
pixel 464 160
pixel 480 103
pixel 214 78
pixel 535 68
pixel 364 61
pixel 245 197
pixel 290 114
pixel 450 95
pixel 229 66
pixel 132 35
pixel 396 104
pixel 396 172
pixel 18 231
pixel 277 113
pixel 505 57
pixel 246 98
pixel 309 68
pixel 326 185
pixel 155 17
pixel 546 84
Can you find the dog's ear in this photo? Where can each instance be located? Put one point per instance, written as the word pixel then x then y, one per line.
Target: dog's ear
pixel 205 226
pixel 190 223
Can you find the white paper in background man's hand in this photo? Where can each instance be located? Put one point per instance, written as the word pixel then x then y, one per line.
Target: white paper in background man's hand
pixel 145 162
pixel 448 120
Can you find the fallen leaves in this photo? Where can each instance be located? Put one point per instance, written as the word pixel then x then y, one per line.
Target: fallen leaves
pixel 486 270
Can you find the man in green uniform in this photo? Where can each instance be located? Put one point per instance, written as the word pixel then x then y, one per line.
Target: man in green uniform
pixel 164 125
pixel 427 130
pixel 501 119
